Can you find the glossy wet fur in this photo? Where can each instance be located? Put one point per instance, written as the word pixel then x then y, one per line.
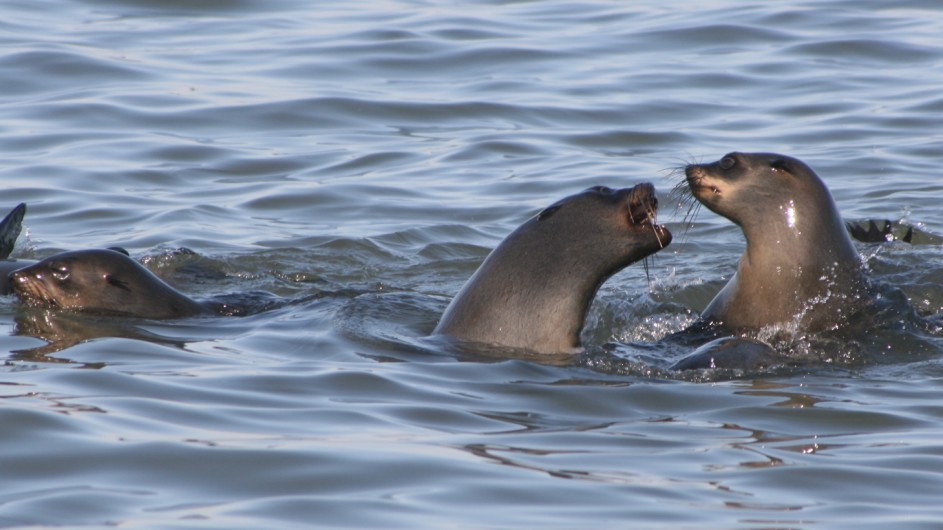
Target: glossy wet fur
pixel 102 281
pixel 533 290
pixel 799 267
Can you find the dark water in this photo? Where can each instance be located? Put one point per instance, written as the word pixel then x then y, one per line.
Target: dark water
pixel 359 160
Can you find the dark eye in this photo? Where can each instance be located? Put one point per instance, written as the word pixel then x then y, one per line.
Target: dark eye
pixel 60 272
pixel 727 162
pixel 601 189
pixel 779 165
pixel 115 282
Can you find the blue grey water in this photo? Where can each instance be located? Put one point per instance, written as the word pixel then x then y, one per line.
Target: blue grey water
pixel 359 159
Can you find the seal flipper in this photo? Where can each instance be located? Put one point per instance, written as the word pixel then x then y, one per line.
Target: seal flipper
pixel 10 229
pixel 736 353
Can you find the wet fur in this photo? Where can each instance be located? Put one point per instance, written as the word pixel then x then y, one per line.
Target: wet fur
pixel 102 281
pixel 533 290
pixel 802 271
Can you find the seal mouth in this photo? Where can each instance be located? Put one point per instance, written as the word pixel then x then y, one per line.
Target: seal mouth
pixel 696 181
pixel 643 205
pixel 642 208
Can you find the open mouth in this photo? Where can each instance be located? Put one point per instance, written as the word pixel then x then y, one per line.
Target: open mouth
pixel 643 205
pixel 696 181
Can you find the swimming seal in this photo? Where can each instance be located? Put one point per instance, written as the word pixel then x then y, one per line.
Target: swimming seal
pixel 103 281
pixel 534 289
pixel 800 266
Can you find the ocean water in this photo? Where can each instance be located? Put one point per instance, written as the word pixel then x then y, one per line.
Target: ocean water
pixel 356 161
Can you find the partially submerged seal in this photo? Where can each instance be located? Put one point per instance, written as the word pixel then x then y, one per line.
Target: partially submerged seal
pixel 533 291
pixel 103 281
pixel 799 267
pixel 799 271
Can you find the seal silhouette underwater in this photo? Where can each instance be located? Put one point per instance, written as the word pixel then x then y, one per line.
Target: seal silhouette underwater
pixel 533 290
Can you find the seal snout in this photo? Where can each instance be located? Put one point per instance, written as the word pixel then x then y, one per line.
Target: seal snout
pixel 698 180
pixel 28 287
pixel 18 277
pixel 36 285
pixel 642 207
pixel 642 204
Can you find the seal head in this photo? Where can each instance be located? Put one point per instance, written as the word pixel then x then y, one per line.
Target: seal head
pixel 102 281
pixel 800 266
pixel 534 289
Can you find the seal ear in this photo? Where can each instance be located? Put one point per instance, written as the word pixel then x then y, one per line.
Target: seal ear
pixel 548 211
pixel 780 164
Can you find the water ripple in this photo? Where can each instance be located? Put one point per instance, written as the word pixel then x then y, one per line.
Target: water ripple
pixel 356 162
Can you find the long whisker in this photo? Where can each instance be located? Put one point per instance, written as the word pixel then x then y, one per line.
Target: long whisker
pixel 683 198
pixel 661 245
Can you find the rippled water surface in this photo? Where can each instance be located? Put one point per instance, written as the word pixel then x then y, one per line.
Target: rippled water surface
pixel 356 161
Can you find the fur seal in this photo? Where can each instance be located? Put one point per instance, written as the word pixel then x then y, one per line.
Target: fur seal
pixel 800 267
pixel 534 289
pixel 104 281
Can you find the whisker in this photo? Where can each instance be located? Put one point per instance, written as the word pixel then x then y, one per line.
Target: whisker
pixel 684 199
pixel 657 237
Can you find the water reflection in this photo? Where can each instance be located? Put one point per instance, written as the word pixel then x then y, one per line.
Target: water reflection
pixel 62 330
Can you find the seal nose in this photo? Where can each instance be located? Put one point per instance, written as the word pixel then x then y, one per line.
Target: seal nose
pixel 13 279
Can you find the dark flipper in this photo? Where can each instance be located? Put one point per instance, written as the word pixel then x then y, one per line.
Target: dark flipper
pixel 872 233
pixel 10 229
pixel 731 353
pixel 883 230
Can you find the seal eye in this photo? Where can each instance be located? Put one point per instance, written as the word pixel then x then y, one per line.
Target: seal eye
pixel 115 282
pixel 779 165
pixel 727 162
pixel 60 272
pixel 601 189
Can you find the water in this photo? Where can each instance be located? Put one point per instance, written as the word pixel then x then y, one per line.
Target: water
pixel 359 160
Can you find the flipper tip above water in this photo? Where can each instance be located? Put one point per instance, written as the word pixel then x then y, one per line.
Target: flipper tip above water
pixel 884 230
pixel 10 229
pixel 868 231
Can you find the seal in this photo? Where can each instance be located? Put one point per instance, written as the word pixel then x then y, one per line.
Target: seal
pixel 534 289
pixel 799 267
pixel 105 281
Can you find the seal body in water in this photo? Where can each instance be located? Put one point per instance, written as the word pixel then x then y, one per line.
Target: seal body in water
pixel 533 291
pixel 102 281
pixel 800 267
